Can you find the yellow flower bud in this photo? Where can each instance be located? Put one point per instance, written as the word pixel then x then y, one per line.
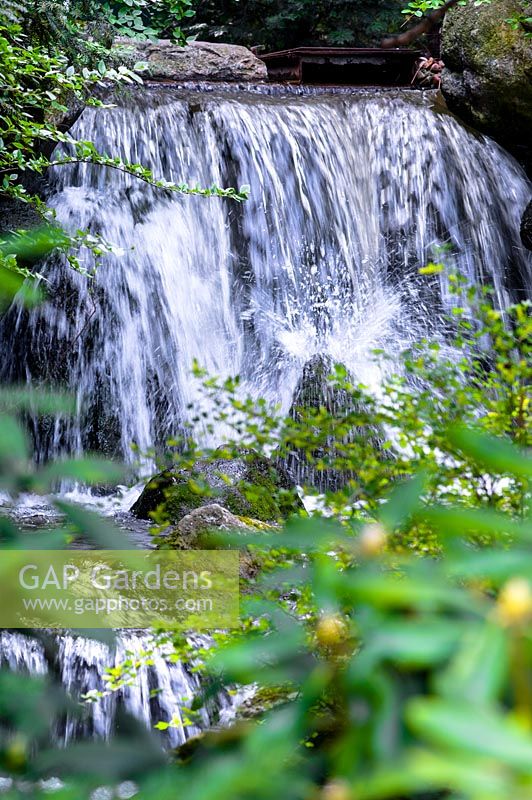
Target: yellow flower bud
pixel 331 630
pixel 336 790
pixel 514 605
pixel 372 540
pixel 16 753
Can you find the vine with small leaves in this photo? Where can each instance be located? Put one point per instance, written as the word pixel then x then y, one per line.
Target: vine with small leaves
pixel 38 83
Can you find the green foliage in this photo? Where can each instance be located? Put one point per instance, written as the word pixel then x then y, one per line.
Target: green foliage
pixel 278 25
pixel 397 676
pixel 521 22
pixel 40 85
pixel 419 8
pixel 149 19
pixel 412 675
pixel 479 378
pixel 35 87
pixel 98 21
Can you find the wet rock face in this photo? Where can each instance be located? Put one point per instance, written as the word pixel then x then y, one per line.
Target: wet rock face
pixel 198 61
pixel 526 227
pixel 314 391
pixel 488 75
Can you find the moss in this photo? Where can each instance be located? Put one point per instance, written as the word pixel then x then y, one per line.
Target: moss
pixel 478 35
pixel 264 699
pixel 248 485
pixel 497 38
pixel 254 498
pixel 487 75
pixel 170 496
pixel 266 492
pixel 496 42
pixel 179 500
pixel 257 524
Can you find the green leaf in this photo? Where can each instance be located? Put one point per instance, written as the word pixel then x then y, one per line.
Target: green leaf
pixel 14 447
pixel 470 729
pixel 89 470
pixel 299 533
pixel 40 401
pixel 409 643
pixel 493 453
pixel 422 771
pixel 463 521
pixel 9 533
pixel 33 245
pixel 42 540
pixel 496 565
pixel 425 592
pixel 478 672
pixel 29 702
pixel 403 502
pixel 96 529
pixel 123 758
pixel 431 268
pixel 264 658
pixel 13 286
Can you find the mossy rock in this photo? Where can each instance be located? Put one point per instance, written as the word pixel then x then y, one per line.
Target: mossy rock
pixel 217 741
pixel 188 533
pixel 488 72
pixel 248 485
pixel 265 699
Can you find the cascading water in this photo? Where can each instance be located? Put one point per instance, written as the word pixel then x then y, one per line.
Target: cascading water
pixel 351 193
pixel 163 689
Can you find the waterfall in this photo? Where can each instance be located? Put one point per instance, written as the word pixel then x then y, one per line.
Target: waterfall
pixel 163 689
pixel 351 192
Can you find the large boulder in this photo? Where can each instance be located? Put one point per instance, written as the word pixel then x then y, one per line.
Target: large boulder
pixel 487 78
pixel 247 484
pixel 198 61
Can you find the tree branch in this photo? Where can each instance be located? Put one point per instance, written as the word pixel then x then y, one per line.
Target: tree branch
pixel 425 26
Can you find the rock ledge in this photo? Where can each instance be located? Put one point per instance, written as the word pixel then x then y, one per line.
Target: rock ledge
pixel 198 61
